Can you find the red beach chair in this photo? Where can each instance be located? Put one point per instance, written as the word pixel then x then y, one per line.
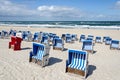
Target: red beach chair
pixel 15 43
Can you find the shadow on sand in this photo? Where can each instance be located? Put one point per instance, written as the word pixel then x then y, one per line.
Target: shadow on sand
pixel 91 68
pixel 26 48
pixel 53 60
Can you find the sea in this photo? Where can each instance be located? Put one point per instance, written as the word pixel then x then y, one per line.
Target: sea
pixel 64 24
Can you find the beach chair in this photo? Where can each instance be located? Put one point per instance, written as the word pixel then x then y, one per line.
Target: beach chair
pixel 27 36
pixel 98 39
pixel 108 41
pixel 90 37
pixel 36 37
pixel 12 32
pixel 45 40
pixel 82 38
pixel 104 38
pixel 68 38
pixel 4 34
pixel 58 44
pixel 74 37
pixel 114 44
pixel 88 46
pixel 77 62
pixel 15 43
pixel 40 54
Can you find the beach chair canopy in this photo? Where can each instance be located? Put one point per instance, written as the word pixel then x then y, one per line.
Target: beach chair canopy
pixel 38 51
pixel 82 37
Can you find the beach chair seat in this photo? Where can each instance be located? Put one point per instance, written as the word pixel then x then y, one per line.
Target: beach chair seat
pixel 58 44
pixel 15 43
pixel 98 40
pixel 77 62
pixel 114 44
pixel 88 46
pixel 40 54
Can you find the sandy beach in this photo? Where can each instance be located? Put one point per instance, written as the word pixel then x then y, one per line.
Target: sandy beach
pixel 103 64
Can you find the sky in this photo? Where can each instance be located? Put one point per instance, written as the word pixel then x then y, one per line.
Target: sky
pixel 59 10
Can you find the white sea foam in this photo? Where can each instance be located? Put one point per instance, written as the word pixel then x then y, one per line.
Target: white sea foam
pixel 61 26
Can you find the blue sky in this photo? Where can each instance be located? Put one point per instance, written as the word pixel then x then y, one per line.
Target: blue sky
pixel 59 10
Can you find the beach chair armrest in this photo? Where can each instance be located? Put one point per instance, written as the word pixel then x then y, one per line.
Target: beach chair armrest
pixel 31 54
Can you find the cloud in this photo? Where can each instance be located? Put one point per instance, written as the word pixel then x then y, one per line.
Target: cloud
pixel 117 5
pixel 59 11
pixel 12 9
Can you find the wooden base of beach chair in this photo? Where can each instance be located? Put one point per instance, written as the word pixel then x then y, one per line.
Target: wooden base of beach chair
pixel 76 71
pixel 39 62
pixel 89 51
pixel 114 48
pixel 33 60
pixel 55 48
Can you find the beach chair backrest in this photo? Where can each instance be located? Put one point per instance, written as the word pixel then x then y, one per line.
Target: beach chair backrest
pixel 36 47
pixel 78 58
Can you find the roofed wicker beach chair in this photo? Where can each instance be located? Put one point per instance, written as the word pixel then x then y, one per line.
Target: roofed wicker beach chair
pixel 58 44
pixel 77 62
pixel 12 32
pixel 45 40
pixel 36 37
pixel 27 35
pixel 98 39
pixel 114 44
pixel 82 38
pixel 4 34
pixel 90 36
pixel 104 38
pixel 15 43
pixel 40 54
pixel 68 38
pixel 74 37
pixel 88 46
pixel 108 41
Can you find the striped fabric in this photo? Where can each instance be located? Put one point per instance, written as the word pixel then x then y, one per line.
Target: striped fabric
pixel 78 61
pixel 40 53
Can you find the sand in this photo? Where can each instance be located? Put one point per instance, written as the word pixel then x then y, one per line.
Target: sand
pixel 103 65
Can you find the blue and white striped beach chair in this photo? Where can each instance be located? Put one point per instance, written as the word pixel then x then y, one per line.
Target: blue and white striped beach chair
pixel 82 38
pixel 40 54
pixel 98 39
pixel 77 62
pixel 45 40
pixel 36 37
pixel 74 37
pixel 114 44
pixel 68 38
pixel 108 41
pixel 88 46
pixel 58 44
